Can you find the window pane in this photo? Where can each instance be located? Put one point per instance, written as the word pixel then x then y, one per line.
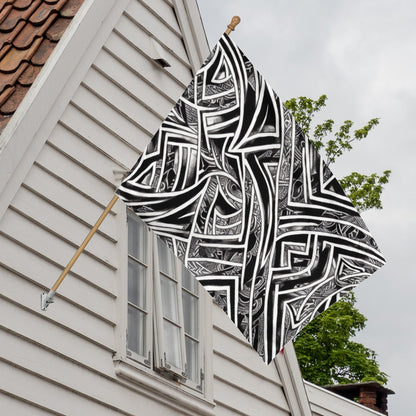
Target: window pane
pixel 191 359
pixel 189 281
pixel 169 299
pixel 173 344
pixel 137 284
pixel 190 314
pixel 136 330
pixel 166 259
pixel 137 237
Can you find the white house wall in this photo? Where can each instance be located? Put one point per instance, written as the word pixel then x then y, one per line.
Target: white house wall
pixel 61 362
pixel 242 382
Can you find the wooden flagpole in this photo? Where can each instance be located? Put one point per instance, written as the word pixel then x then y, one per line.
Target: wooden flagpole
pixel 47 298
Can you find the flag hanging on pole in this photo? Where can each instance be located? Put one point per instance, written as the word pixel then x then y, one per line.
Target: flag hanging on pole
pixel 241 196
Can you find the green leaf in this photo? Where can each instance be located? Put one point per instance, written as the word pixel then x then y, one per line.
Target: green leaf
pixel 365 190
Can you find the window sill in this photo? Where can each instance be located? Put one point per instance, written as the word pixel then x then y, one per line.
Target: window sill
pixel 165 391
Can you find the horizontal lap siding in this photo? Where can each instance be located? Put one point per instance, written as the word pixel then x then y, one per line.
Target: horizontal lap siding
pixel 233 401
pixel 16 406
pixel 163 10
pixel 61 362
pixel 140 64
pixel 108 116
pixel 64 196
pixel 90 131
pixel 129 107
pixel 140 88
pixel 56 380
pixel 243 384
pixel 165 34
pixel 16 258
pixel 48 244
pixel 47 392
pixel 38 329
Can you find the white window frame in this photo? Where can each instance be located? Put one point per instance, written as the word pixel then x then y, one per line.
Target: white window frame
pixel 162 345
pixel 155 344
pixel 146 358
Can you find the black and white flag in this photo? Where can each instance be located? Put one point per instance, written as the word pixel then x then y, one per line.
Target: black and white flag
pixel 232 185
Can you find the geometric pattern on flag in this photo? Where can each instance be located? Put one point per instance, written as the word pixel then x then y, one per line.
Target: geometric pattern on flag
pixel 241 196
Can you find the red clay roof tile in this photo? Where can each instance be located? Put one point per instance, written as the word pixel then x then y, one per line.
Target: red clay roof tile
pixel 29 31
pixel 58 28
pixel 44 11
pixel 6 94
pixel 10 79
pixel 21 4
pixel 9 36
pixel 11 61
pixel 29 75
pixel 17 15
pixel 4 50
pixel 4 12
pixel 4 3
pixel 43 52
pixel 10 106
pixel 71 7
pixel 26 36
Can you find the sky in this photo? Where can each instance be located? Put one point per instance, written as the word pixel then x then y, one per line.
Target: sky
pixel 362 55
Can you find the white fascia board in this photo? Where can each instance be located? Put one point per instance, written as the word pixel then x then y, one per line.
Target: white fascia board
pixel 193 32
pixel 293 384
pixel 24 136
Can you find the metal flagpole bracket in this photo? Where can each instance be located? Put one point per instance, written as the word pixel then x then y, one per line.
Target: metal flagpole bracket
pixel 46 299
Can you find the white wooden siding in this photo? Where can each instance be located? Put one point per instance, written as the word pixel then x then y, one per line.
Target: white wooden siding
pixel 107 115
pixel 87 129
pixel 8 401
pixel 243 383
pixel 139 63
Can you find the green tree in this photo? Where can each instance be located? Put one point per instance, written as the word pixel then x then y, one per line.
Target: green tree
pixel 327 354
pixel 363 190
pixel 325 350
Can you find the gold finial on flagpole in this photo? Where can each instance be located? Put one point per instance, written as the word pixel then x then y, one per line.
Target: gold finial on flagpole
pixel 234 22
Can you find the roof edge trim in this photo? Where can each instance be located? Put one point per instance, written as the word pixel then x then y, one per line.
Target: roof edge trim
pixel 293 384
pixel 193 32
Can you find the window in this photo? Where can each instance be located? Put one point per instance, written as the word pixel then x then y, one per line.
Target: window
pixel 163 311
pixel 139 313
